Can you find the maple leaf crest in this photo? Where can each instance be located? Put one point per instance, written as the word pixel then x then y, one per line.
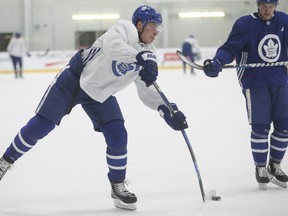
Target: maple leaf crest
pixel 271 49
pixel 124 67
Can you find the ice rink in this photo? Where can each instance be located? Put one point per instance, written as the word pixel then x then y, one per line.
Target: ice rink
pixel 65 173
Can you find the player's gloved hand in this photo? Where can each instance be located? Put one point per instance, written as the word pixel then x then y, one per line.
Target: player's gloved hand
pixel 176 121
pixel 149 72
pixel 212 67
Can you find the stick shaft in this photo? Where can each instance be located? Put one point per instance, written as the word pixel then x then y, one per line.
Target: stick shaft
pixel 167 103
pixel 250 65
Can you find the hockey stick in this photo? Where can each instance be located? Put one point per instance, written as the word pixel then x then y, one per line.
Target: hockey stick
pixel 251 65
pixel 43 54
pixel 37 54
pixel 211 194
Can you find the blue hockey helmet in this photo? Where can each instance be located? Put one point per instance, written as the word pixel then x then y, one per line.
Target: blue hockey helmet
pixel 146 14
pixel 267 1
pixel 17 34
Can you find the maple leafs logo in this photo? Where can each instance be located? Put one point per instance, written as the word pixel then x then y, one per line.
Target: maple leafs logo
pixel 144 8
pixel 121 68
pixel 271 49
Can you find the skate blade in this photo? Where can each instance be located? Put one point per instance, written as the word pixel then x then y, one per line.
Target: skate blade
pixel 126 206
pixel 278 183
pixel 262 186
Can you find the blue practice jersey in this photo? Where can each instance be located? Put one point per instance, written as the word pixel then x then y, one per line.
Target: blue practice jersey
pixel 253 40
pixel 187 49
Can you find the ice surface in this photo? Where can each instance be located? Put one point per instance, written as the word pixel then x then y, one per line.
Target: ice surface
pixel 65 173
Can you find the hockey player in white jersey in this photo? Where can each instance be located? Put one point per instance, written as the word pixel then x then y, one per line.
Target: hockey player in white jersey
pixel 124 54
pixel 17 49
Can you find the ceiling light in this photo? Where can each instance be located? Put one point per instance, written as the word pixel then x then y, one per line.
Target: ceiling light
pixel 201 14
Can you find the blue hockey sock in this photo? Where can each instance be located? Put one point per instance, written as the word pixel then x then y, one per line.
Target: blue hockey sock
pixel 278 146
pixel 116 153
pixel 259 146
pixel 37 128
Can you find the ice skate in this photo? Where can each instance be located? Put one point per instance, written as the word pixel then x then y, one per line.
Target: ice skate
pixel 278 177
pixel 122 197
pixel 262 177
pixel 4 166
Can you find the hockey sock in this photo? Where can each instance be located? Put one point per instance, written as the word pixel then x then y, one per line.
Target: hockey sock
pixel 116 153
pixel 278 146
pixel 37 128
pixel 259 146
pixel 259 143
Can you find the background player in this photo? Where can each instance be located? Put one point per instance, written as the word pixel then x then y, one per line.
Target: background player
pixel 17 49
pixel 191 49
pixel 261 37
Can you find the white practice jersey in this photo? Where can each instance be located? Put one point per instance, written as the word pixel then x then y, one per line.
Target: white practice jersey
pixel 16 47
pixel 110 65
pixel 194 45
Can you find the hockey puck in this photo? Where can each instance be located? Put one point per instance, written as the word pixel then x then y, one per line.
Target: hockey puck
pixel 216 198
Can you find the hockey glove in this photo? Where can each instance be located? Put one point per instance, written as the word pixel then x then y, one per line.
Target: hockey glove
pixel 176 121
pixel 149 72
pixel 212 67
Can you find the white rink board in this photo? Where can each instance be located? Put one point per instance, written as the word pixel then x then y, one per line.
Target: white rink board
pixel 56 60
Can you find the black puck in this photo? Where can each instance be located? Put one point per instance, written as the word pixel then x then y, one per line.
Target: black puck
pixel 216 198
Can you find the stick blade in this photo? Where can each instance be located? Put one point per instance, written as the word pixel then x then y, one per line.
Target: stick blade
pixel 212 196
pixel 188 61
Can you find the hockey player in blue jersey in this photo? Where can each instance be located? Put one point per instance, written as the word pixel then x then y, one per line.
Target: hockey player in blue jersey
pixel 124 54
pixel 191 50
pixel 261 37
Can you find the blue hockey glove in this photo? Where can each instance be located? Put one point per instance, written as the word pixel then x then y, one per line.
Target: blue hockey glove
pixel 176 121
pixel 149 72
pixel 212 67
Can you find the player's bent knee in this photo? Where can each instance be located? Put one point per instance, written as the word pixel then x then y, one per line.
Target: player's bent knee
pixel 115 135
pixel 39 127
